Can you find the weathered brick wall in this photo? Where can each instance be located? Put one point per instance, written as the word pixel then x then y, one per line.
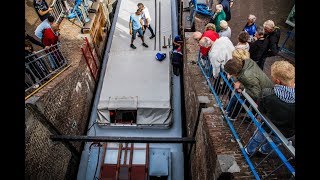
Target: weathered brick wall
pixel 203 156
pixel 191 100
pixel 66 106
pixel 213 137
pixel 44 159
pixel 68 103
pixel 61 107
pixel 224 142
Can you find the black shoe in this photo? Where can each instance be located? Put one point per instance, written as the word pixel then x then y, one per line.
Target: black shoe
pixel 132 46
pixel 247 119
pixel 145 45
pixel 152 36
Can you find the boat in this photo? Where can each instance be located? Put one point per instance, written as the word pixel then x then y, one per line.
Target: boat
pixel 136 112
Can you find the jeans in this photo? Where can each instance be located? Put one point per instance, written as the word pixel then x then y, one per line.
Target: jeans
pixel 135 31
pixel 52 62
pixel 257 139
pixel 231 109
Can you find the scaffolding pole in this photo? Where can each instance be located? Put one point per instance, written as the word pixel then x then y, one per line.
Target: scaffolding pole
pixel 122 139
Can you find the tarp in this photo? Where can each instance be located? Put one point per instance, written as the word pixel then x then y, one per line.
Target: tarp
pixel 135 83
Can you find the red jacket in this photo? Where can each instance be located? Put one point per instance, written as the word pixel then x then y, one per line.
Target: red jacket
pixel 49 37
pixel 213 36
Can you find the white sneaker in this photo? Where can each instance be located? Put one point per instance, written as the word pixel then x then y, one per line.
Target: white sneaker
pixel 246 150
pixel 260 150
pixel 232 119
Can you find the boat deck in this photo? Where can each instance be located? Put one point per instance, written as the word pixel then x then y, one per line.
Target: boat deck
pixel 161 14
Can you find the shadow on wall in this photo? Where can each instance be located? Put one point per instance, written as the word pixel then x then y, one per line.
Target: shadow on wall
pixel 226 176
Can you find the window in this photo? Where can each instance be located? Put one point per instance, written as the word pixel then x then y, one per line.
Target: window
pixel 123 116
pixel 158 177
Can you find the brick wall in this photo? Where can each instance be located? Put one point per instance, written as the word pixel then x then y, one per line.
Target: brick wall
pixel 191 101
pixel 67 104
pixel 66 107
pixel 213 137
pixel 203 156
pixel 44 159
pixel 63 106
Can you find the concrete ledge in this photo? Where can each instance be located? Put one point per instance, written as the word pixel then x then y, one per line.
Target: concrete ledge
pixel 203 99
pixel 228 163
pixel 208 110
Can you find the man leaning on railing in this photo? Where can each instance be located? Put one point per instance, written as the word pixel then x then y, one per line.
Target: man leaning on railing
pixel 50 38
pixel 35 67
pixel 278 105
pixel 248 76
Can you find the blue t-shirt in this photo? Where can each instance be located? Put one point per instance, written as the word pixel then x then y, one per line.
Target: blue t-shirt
pixel 39 30
pixel 251 30
pixel 135 19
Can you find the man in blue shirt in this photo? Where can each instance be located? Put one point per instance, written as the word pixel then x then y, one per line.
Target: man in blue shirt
pixel 135 26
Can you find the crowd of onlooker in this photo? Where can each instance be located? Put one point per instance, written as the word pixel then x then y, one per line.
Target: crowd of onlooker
pixel 46 36
pixel 243 61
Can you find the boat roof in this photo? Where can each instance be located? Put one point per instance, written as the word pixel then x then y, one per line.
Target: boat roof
pixel 136 75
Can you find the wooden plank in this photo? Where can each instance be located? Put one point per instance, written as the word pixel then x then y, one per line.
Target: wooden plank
pixel 118 160
pixel 186 24
pixel 103 156
pixel 186 4
pixel 130 161
pixel 125 154
pixel 147 162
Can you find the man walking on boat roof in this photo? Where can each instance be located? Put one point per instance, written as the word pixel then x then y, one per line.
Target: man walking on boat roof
pixel 136 26
pixel 146 19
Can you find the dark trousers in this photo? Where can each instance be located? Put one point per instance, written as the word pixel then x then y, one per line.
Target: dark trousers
pixel 176 61
pixel 150 29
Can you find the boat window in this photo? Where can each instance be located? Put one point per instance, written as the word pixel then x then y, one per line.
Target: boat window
pixel 158 177
pixel 123 116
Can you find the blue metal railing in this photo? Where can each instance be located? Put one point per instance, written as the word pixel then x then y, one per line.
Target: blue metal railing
pixel 221 88
pixel 199 8
pixel 202 8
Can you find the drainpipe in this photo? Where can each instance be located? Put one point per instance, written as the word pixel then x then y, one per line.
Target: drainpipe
pixel 174 20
